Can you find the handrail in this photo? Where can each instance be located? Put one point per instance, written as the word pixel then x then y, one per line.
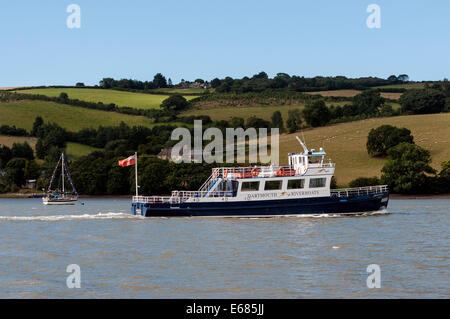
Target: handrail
pixel 346 192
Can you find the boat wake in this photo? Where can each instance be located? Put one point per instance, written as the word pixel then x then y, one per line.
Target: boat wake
pixel 340 215
pixel 71 217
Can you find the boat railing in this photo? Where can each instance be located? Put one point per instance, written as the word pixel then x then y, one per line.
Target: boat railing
pixel 254 171
pixel 346 192
pixel 151 199
pixel 180 196
pixel 259 171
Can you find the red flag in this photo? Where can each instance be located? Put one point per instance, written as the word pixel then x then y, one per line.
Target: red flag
pixel 128 161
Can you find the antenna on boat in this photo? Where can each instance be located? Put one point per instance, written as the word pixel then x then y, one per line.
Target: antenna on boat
pixel 305 149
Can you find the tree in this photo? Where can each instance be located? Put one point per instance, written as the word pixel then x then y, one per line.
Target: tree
pixel 294 120
pixel 63 96
pixel 403 78
pixel 445 172
pixel 22 150
pixel 159 81
pixel 316 113
pixel 406 169
pixel 15 171
pixel 261 75
pixel 38 122
pixel 169 82
pixel 237 122
pixel 5 155
pixel 215 83
pixel 50 135
pixel 392 79
pixel 422 101
pixel 257 122
pixel 79 84
pixel 175 103
pixel 107 83
pixel 118 181
pixel 381 139
pixel 336 112
pixel 368 102
pixel 277 120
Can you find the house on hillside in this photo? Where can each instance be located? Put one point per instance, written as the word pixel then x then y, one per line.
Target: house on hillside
pixel 166 154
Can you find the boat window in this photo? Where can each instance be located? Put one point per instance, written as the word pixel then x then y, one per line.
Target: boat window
pixel 250 186
pixel 272 185
pixel 296 183
pixel 317 182
pixel 314 159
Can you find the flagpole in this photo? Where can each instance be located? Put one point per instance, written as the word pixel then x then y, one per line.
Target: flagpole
pixel 136 173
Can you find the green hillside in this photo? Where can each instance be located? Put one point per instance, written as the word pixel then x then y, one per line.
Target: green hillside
pixel 72 150
pixel 77 150
pixel 120 98
pixel 345 143
pixel 23 113
pixel 265 112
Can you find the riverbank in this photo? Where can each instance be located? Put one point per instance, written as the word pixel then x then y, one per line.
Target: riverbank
pixel 426 196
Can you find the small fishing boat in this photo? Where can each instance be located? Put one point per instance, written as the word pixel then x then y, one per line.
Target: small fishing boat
pixel 300 188
pixel 60 195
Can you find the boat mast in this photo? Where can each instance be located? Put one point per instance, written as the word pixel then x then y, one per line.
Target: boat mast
pixel 136 174
pixel 62 174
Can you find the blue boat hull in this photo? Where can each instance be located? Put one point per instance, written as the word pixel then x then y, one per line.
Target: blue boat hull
pixel 267 208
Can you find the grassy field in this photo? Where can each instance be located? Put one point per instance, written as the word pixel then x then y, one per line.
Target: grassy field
pixel 120 98
pixel 352 93
pixel 72 150
pixel 23 113
pixel 10 140
pixel 77 150
pixel 263 112
pixel 345 143
pixel 182 91
pixel 226 113
pixel 407 86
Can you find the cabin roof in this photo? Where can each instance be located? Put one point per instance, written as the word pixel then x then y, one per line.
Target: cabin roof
pixel 309 154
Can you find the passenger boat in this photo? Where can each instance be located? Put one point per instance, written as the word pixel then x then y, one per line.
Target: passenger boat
pixel 60 195
pixel 301 188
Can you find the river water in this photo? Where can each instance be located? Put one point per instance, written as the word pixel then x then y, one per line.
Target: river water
pixel 123 256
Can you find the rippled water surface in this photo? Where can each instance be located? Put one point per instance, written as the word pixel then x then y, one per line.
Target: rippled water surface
pixel 122 256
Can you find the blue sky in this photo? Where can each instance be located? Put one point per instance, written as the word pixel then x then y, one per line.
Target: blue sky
pixel 209 38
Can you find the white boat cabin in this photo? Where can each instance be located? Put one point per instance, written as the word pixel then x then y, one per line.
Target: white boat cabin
pixel 307 175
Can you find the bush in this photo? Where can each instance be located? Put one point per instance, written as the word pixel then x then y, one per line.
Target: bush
pixel 422 101
pixel 368 102
pixel 384 137
pixel 294 120
pixel 175 103
pixel 405 171
pixel 317 113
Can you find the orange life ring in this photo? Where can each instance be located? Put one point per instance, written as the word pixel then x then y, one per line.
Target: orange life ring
pixel 255 172
pixel 280 172
pixel 299 171
pixel 225 173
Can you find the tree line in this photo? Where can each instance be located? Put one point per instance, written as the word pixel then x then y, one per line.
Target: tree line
pixel 260 82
